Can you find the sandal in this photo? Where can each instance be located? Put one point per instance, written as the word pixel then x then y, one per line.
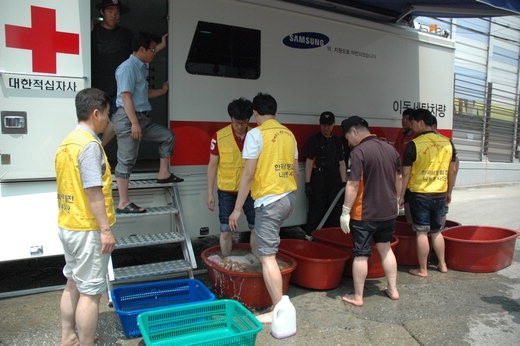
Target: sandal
pixel 131 208
pixel 171 179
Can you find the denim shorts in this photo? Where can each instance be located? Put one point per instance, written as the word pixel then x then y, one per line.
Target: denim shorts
pixel 363 232
pixel 428 213
pixel 226 204
pixel 269 219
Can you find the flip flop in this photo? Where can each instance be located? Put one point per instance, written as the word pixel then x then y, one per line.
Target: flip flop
pixel 131 208
pixel 171 179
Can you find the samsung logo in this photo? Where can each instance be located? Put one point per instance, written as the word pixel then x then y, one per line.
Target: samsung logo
pixel 305 40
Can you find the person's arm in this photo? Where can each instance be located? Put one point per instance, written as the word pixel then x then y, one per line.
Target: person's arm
pixel 343 171
pixel 212 173
pixel 351 191
pixel 153 93
pixel 96 202
pixel 243 191
pixel 308 169
pixel 128 105
pixel 161 45
pixel 453 169
pixel 405 179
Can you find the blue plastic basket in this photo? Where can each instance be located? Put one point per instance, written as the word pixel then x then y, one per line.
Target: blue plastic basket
pixel 216 323
pixel 130 301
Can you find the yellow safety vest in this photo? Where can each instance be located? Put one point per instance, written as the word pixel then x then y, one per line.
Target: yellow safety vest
pixel 274 172
pixel 74 210
pixel 231 163
pixel 429 172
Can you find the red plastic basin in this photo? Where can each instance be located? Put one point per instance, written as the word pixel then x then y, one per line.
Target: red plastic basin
pixel 479 249
pixel 334 236
pixel 246 287
pixel 319 267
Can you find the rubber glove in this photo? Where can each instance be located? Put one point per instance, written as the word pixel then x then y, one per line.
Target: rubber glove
pixel 344 220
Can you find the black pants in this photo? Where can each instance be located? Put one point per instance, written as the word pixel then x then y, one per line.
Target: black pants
pixel 324 190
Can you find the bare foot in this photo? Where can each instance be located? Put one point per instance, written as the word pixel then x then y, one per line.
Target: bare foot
pixel 443 268
pixel 352 301
pixel 392 295
pixel 418 272
pixel 265 318
pixel 73 341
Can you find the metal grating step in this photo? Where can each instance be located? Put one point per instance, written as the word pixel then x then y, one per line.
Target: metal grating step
pixel 136 240
pixel 162 210
pixel 142 184
pixel 152 269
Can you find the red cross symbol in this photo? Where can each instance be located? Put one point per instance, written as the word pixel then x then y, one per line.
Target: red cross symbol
pixel 43 39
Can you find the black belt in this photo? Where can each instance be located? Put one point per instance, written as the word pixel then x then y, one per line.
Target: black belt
pixel 145 113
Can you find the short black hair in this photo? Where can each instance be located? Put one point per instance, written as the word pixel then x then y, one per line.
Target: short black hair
pixel 264 104
pixel 87 100
pixel 421 114
pixel 240 109
pixel 144 39
pixel 354 121
pixel 407 112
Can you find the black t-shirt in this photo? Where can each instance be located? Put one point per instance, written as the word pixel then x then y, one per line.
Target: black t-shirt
pixel 109 49
pixel 326 152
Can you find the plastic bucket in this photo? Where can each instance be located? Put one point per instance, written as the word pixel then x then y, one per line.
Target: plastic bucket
pixel 246 287
pixel 320 266
pixel 479 249
pixel 334 236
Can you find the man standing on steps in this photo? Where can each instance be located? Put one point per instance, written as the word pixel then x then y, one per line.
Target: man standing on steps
pixel 132 122
pixel 270 173
pixel 226 164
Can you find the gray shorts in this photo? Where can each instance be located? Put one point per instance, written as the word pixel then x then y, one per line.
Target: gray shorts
pixel 128 147
pixel 268 220
pixel 84 262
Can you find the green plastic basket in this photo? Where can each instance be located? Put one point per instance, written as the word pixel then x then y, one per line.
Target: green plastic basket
pixel 219 322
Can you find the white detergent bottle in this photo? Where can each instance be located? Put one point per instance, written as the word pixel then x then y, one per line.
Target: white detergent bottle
pixel 284 319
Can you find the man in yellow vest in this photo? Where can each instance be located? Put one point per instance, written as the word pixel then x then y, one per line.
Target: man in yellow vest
pixel 85 215
pixel 271 173
pixel 429 173
pixel 226 164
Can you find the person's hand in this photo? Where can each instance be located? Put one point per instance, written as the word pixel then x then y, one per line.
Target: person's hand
pixel 210 202
pixel 308 190
pixel 344 220
pixel 108 242
pixel 401 203
pixel 233 219
pixel 137 133
pixel 165 87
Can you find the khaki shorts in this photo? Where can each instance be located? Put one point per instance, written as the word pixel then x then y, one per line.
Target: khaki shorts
pixel 268 220
pixel 84 262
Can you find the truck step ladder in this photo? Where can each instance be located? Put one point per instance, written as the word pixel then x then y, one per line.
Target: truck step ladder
pixel 161 224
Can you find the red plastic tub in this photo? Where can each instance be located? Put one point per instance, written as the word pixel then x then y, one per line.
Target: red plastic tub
pixel 319 267
pixel 406 250
pixel 334 236
pixel 479 249
pixel 246 287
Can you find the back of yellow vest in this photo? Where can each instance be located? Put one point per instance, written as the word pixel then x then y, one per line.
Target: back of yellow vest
pixel 429 172
pixel 275 167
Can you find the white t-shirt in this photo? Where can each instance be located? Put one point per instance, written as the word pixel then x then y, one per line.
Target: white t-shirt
pixel 252 148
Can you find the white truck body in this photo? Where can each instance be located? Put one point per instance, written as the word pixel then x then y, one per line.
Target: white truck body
pixel 309 60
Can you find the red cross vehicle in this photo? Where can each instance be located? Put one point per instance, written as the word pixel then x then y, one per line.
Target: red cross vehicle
pixel 310 60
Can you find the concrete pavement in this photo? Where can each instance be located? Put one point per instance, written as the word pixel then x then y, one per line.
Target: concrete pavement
pixel 456 308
